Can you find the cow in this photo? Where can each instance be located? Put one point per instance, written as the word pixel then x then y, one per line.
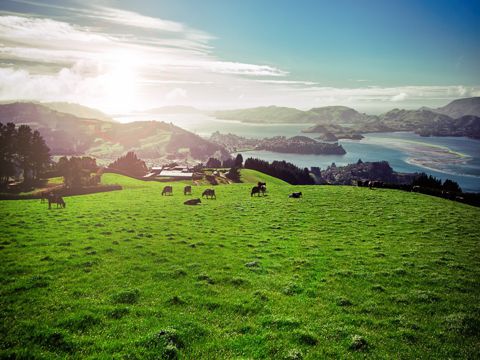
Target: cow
pixel 209 192
pixel 374 184
pixel 167 190
pixel 255 190
pixel 295 195
pixel 261 188
pixel 56 199
pixel 192 202
pixel 415 188
pixel 187 190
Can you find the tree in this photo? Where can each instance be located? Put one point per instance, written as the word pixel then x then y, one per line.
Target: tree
pixel 451 186
pixel 427 181
pixel 7 152
pixel 228 163
pixel 233 174
pixel 213 163
pixel 281 170
pixel 24 151
pixel 40 155
pixel 130 164
pixel 239 161
pixel 77 171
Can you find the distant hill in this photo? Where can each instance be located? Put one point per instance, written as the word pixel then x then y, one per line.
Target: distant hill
pixel 78 110
pixel 337 114
pixel 67 134
pixel 276 114
pixel 461 107
pixel 264 114
pixel 336 122
pixel 429 123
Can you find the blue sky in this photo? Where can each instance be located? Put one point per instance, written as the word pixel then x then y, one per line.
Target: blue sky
pixel 337 42
pixel 122 55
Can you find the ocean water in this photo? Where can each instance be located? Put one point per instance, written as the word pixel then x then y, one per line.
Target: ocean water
pixel 455 158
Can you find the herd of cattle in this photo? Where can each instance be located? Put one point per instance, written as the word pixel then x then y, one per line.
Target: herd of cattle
pixel 259 189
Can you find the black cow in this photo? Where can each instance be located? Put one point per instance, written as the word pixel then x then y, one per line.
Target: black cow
pixel 167 190
pixel 374 184
pixel 54 199
pixel 209 192
pixel 192 202
pixel 296 195
pixel 255 190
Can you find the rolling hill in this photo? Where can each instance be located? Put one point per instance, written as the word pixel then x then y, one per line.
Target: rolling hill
pixel 461 107
pixel 275 114
pixel 67 134
pixel 344 272
pixel 78 110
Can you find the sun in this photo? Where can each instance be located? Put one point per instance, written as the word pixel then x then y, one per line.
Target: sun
pixel 120 82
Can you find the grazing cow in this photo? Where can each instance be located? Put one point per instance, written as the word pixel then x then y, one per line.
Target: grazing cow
pixel 261 188
pixel 295 195
pixel 415 188
pixel 209 192
pixel 167 190
pixel 54 199
pixel 255 190
pixel 187 190
pixel 192 202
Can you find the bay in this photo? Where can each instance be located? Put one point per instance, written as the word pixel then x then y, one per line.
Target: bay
pixel 455 158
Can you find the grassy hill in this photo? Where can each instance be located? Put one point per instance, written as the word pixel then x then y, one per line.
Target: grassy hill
pixel 67 134
pixel 344 272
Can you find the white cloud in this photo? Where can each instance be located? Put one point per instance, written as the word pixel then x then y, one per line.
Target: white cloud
pixel 399 97
pixel 287 82
pixel 130 18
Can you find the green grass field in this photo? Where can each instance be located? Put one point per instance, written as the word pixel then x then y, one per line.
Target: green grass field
pixel 344 272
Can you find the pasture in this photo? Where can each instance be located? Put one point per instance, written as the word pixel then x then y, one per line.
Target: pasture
pixel 342 272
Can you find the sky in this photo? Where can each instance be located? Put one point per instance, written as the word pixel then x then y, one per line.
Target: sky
pixel 124 56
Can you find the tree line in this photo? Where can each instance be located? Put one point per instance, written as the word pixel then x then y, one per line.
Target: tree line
pixel 282 170
pixel 23 153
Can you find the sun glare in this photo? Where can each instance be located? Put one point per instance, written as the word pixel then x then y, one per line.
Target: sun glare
pixel 120 82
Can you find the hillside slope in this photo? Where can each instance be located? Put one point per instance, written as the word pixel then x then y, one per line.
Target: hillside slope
pixel 66 134
pixel 461 107
pixel 344 272
pixel 78 110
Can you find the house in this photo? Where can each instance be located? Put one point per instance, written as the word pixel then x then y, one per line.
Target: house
pixel 173 172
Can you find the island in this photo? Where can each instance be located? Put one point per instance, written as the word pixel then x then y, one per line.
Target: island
pixel 280 144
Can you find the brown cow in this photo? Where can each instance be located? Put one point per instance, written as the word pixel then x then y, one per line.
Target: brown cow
pixel 187 190
pixel 209 192
pixel 167 190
